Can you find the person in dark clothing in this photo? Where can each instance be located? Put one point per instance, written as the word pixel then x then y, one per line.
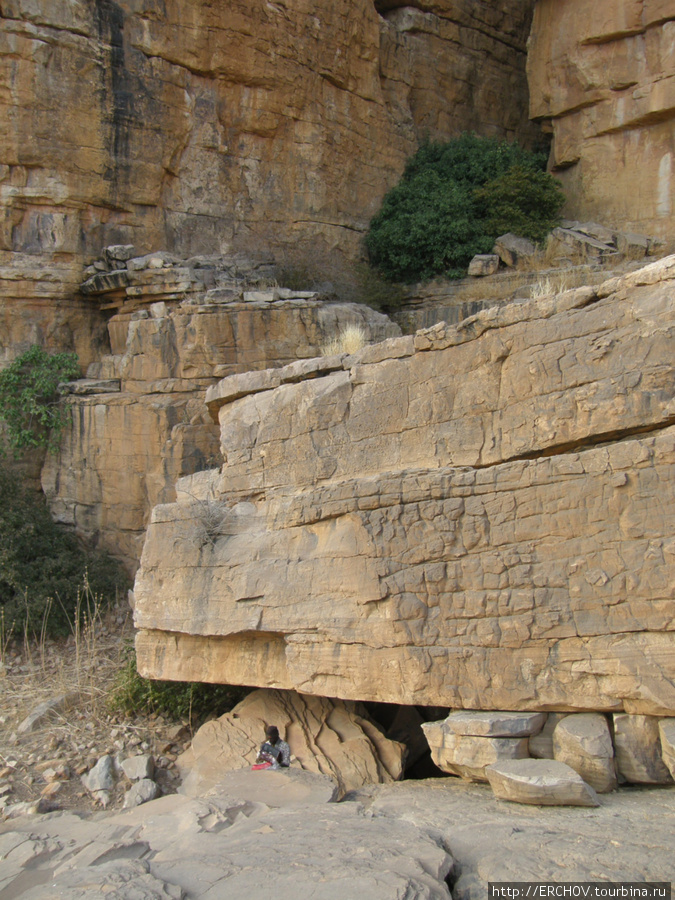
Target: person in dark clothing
pixel 273 750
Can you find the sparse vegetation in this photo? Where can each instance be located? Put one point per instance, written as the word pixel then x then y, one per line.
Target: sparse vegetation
pixel 48 581
pixel 30 400
pixel 179 700
pixel 453 200
pixel 349 339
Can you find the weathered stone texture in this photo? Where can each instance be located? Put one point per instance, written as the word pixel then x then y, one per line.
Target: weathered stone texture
pixel 124 451
pixel 604 77
pixel 202 127
pixel 438 528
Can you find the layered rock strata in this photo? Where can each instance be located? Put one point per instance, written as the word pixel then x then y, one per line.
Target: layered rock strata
pixel 603 81
pixel 207 128
pixel 138 422
pixel 478 516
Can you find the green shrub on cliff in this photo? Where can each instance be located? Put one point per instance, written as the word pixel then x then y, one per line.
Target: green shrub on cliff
pixel 47 578
pixel 453 200
pixel 30 400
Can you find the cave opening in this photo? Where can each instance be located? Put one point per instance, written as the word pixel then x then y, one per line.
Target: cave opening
pixel 404 724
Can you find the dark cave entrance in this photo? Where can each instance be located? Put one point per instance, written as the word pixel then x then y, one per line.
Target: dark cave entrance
pixel 404 724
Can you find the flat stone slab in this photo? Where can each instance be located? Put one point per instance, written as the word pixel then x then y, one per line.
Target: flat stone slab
pixel 494 724
pixel 541 782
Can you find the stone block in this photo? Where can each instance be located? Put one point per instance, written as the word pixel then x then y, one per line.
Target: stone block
pixel 583 741
pixel 541 782
pixel 494 724
pixel 484 264
pixel 541 745
pixel 512 249
pixel 468 755
pixel 667 735
pixel 637 745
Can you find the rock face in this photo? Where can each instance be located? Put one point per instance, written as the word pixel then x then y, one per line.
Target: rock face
pixel 603 81
pixel 203 128
pixel 138 421
pixel 327 737
pixel 433 523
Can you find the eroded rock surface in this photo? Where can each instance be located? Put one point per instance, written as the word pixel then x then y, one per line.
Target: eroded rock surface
pixel 325 736
pixel 480 517
pixel 206 128
pixel 603 79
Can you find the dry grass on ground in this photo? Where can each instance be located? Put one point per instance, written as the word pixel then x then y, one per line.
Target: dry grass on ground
pixel 49 761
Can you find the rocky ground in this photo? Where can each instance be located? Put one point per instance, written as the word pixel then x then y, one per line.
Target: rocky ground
pixel 44 765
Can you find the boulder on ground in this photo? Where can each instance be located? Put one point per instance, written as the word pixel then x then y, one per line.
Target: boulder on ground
pixel 483 264
pixel 511 249
pixel 637 744
pixel 542 782
pixel 141 792
pixel 329 737
pixel 138 767
pixel 583 742
pixel 47 711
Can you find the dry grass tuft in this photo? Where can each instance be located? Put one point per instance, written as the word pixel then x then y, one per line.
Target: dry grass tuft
pixel 350 339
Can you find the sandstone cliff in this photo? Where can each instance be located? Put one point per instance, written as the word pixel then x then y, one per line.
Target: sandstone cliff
pixel 202 127
pixel 479 516
pixel 602 78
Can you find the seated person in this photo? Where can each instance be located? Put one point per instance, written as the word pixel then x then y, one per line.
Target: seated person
pixel 274 750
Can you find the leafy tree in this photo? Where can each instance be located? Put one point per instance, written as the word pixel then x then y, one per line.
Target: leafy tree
pixel 453 200
pixel 524 202
pixel 44 571
pixel 30 400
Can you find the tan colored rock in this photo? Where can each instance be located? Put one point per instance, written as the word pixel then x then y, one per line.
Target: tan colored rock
pixel 468 755
pixel 667 735
pixel 583 742
pixel 124 451
pixel 439 528
pixel 604 82
pixel 542 782
pixel 190 131
pixel 637 744
pixel 494 724
pixel 513 249
pixel 483 264
pixel 325 736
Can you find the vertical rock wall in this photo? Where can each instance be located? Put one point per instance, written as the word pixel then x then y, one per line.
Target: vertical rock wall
pixel 203 127
pixel 602 78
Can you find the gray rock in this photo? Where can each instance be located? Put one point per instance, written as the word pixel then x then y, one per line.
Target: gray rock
pixel 138 767
pixel 101 777
pixel 637 745
pixel 468 755
pixel 494 724
pixel 143 791
pixel 48 711
pixel 270 296
pixel 543 782
pixel 84 386
pixel 667 734
pixel 634 246
pixel 511 249
pixel 541 745
pixel 483 264
pixel 119 252
pixel 583 742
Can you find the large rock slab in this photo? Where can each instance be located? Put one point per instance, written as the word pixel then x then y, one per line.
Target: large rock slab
pixel 483 523
pixel 542 782
pixel 583 742
pixel 667 734
pixel 326 737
